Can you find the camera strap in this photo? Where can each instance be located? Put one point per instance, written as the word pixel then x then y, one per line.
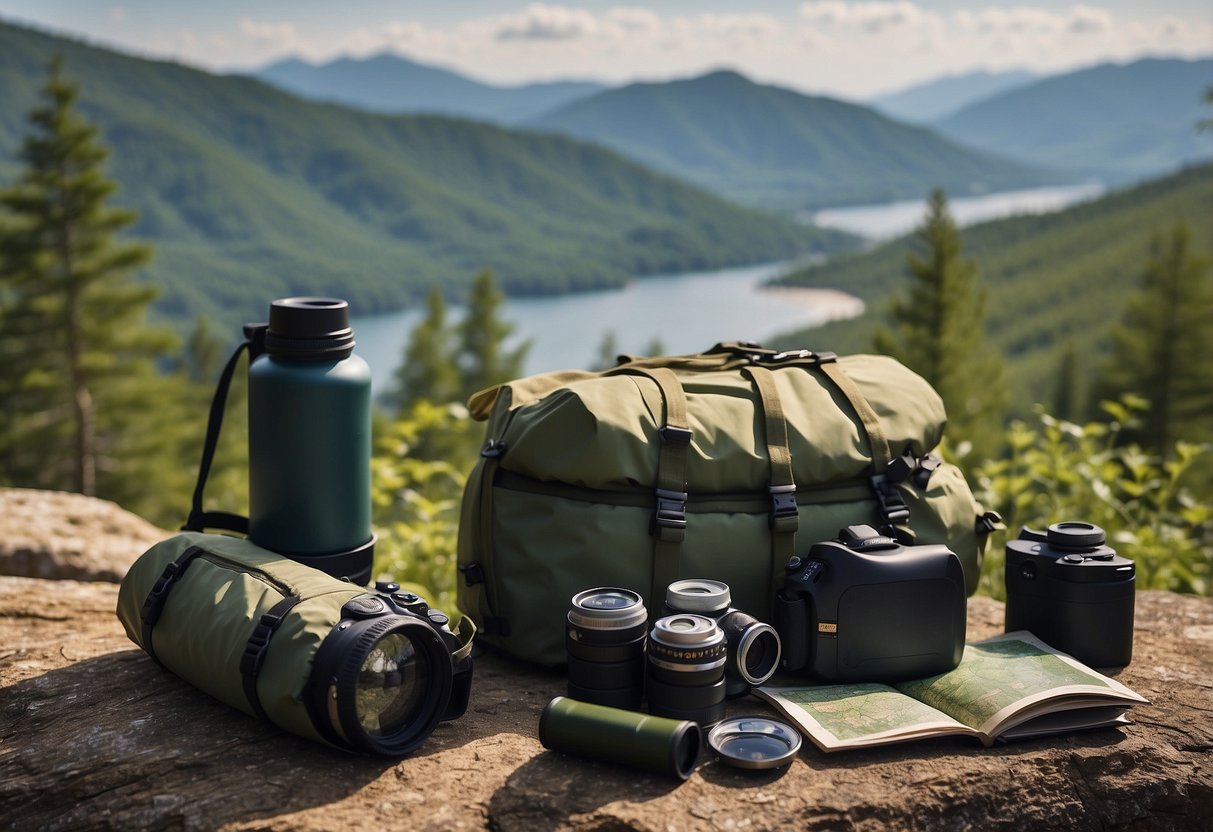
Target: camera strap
pixel 200 519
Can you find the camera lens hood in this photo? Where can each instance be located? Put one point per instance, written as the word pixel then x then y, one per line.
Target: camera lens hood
pixel 607 608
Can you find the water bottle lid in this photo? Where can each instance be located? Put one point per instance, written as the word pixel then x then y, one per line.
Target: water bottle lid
pixel 307 327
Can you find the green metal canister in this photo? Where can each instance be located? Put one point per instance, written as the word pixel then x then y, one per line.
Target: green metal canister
pixel 310 440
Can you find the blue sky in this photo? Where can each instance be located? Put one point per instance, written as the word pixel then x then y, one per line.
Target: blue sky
pixel 839 47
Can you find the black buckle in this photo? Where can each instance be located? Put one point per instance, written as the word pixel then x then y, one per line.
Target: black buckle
pixel 257 646
pixel 785 514
pixel 473 573
pixel 675 436
pixel 492 449
pixel 989 522
pixel 893 510
pixel 926 467
pixel 153 606
pixel 670 516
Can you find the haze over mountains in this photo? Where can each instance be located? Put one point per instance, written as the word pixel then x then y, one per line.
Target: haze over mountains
pixel 1116 122
pixel 388 83
pixel 251 193
pixel 774 147
pixel 769 146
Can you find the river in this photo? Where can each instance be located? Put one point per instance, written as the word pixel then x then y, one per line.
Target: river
pixel 691 312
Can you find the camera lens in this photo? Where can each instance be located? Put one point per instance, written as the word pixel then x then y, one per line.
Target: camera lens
pixel 686 659
pixel 391 686
pixel 380 684
pixel 605 644
pixel 698 595
pixel 753 651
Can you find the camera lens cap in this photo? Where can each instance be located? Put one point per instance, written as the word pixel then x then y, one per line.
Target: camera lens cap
pixel 754 742
pixel 1074 534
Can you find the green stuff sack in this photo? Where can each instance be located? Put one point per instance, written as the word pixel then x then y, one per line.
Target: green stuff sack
pixel 248 626
pixel 717 465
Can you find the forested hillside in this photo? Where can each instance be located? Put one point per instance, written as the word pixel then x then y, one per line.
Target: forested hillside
pixel 249 193
pixel 770 146
pixel 1052 279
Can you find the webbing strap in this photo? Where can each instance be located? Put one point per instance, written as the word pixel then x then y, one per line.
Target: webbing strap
pixel 257 648
pixel 785 515
pixel 153 605
pixel 669 523
pixel 881 456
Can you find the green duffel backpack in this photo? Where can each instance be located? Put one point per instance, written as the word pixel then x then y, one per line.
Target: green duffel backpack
pixel 717 465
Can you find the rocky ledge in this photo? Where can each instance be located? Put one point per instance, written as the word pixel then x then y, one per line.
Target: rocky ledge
pixel 93 735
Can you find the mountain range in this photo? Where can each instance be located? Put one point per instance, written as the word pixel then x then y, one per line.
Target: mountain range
pixel 250 193
pixel 1116 122
pixel 389 83
pixel 936 99
pixel 774 147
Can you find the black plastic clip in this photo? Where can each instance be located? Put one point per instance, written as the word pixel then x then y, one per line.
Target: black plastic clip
pixel 670 516
pixel 989 522
pixel 473 573
pixel 257 646
pixel 493 449
pixel 675 436
pixel 785 514
pixel 926 467
pixel 894 513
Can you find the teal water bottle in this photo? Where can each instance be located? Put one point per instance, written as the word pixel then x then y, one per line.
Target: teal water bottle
pixel 310 440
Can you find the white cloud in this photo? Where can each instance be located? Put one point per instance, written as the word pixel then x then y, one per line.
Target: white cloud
pixel 539 21
pixel 273 35
pixel 873 16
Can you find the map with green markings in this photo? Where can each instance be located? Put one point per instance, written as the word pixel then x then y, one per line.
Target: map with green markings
pixel 1001 686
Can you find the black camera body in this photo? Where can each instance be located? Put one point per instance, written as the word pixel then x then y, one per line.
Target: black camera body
pixel 1073 592
pixel 865 608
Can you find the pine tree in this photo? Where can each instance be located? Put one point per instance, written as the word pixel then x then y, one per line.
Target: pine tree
pixel 75 356
pixel 428 371
pixel 1162 349
pixel 940 332
pixel 482 357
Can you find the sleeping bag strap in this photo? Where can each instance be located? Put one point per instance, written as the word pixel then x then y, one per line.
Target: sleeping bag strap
pixel 892 508
pixel 785 514
pixel 200 520
pixel 256 649
pixel 669 522
pixel 153 605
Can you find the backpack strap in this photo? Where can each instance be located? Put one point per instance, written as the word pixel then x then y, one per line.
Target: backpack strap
pixel 669 522
pixel 785 514
pixel 199 519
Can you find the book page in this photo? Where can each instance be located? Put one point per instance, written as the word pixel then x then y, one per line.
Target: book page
pixel 1004 680
pixel 858 715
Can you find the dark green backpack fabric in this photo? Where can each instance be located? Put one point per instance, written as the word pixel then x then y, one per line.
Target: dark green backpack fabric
pixel 716 465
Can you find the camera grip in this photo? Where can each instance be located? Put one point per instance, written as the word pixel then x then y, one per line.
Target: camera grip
pixel 792 624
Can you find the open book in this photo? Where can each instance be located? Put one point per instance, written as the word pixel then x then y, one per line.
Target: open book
pixel 1010 687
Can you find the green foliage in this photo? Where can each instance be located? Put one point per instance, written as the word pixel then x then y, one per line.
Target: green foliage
pixel 1053 279
pixel 1163 347
pixel 85 409
pixel 250 193
pixel 427 371
pixel 774 147
pixel 420 465
pixel 940 331
pixel 482 358
pixel 1057 470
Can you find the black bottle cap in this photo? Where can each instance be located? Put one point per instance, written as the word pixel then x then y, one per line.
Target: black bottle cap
pixel 309 328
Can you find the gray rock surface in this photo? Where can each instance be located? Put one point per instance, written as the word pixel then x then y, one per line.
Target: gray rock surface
pixel 55 534
pixel 93 735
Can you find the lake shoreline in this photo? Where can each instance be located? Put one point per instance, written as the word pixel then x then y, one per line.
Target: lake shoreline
pixel 826 304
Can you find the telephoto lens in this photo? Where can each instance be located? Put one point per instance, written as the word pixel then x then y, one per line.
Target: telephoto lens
pixel 753 647
pixel 605 637
pixel 686 658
